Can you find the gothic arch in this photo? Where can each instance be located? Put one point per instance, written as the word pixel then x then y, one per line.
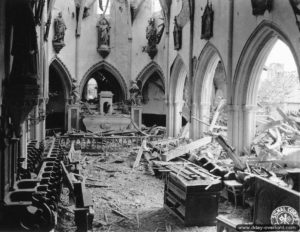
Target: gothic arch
pixel 246 79
pixel 108 67
pixel 148 70
pixel 203 86
pixel 175 102
pixel 64 74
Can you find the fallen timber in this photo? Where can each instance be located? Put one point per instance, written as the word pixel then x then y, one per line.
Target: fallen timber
pixel 184 149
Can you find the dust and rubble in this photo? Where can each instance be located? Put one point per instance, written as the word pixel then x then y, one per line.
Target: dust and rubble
pixel 147 184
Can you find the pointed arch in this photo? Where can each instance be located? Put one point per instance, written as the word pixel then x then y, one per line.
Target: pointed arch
pixel 175 101
pixel 203 86
pixel 246 80
pixel 177 78
pixel 252 59
pixel 64 74
pixel 148 70
pixel 104 65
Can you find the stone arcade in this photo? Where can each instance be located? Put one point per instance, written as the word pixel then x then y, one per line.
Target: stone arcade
pixel 149 115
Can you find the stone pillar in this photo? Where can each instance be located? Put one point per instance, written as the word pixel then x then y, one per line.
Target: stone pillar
pixel 136 115
pixel 235 127
pixel 177 118
pixel 23 145
pixel 195 124
pixel 73 116
pixel 42 124
pixel 170 119
pixel 230 114
pixel 249 112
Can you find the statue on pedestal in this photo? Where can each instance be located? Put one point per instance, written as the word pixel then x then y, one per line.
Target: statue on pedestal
pixel 59 33
pixel 74 93
pixel 177 35
pixel 135 93
pixel 103 37
pixel 207 22
pixel 153 37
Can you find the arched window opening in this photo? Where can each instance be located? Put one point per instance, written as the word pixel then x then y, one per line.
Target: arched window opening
pixel 278 87
pixel 92 89
pixel 105 81
pixel 218 110
pixel 210 95
pixel 154 109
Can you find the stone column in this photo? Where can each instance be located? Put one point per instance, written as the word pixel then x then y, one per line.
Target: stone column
pixel 35 130
pixel 235 122
pixel 194 129
pixel 42 124
pixel 249 112
pixel 23 144
pixel 170 120
pixel 177 118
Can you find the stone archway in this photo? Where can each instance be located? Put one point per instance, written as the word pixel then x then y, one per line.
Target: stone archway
pixel 107 68
pixel 147 71
pixel 152 83
pixel 203 88
pixel 246 79
pixel 175 100
pixel 57 104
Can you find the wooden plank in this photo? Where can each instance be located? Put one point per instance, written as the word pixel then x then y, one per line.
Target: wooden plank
pixel 139 155
pixel 66 176
pixel 181 150
pixel 290 121
pixel 269 125
pixel 230 151
pixel 221 104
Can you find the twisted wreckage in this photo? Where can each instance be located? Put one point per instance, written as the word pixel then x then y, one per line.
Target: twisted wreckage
pixel 198 175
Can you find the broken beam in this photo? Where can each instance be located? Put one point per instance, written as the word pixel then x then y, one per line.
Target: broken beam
pixel 182 150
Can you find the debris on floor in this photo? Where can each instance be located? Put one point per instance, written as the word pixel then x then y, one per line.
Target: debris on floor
pixel 131 188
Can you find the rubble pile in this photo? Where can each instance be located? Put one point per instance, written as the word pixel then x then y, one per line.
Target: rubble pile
pixel 127 197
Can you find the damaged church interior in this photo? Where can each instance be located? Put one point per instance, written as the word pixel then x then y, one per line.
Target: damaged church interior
pixel 149 115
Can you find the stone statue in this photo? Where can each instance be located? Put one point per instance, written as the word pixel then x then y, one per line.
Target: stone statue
pixel 153 37
pixel 207 22
pixel 135 93
pixel 74 93
pixel 151 34
pixel 59 33
pixel 59 29
pixel 177 34
pixel 103 37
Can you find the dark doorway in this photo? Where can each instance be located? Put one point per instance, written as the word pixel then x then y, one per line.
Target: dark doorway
pixel 56 105
pixel 154 108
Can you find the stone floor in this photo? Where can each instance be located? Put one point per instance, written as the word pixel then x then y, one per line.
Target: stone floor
pixel 134 193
